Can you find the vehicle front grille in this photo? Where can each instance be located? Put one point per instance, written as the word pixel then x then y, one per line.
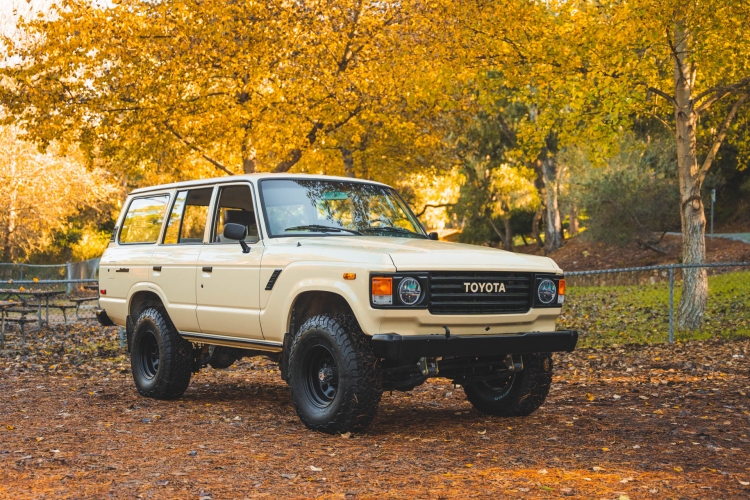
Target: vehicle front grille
pixel 449 295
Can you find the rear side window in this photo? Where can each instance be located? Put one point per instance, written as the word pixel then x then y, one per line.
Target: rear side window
pixel 187 222
pixel 143 219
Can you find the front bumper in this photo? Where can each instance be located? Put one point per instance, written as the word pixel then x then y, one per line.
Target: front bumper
pixel 394 346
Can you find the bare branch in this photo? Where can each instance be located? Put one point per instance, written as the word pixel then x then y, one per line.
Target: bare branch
pixel 429 205
pixel 720 136
pixel 312 136
pixel 197 149
pixel 659 92
pixel 718 93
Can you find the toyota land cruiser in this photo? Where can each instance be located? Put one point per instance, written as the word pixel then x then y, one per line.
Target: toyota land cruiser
pixel 335 279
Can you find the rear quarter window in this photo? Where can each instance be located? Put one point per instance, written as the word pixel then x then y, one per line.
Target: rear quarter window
pixel 144 218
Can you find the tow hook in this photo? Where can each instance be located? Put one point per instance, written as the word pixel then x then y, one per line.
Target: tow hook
pixel 429 368
pixel 513 365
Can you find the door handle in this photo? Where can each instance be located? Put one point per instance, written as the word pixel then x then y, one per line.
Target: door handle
pixel 157 268
pixel 122 270
pixel 207 269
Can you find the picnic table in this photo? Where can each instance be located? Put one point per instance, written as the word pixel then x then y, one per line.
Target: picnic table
pixel 4 304
pixel 41 296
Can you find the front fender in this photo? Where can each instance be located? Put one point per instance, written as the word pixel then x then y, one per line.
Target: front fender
pixel 298 278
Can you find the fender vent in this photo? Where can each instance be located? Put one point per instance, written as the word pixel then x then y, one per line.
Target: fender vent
pixel 273 279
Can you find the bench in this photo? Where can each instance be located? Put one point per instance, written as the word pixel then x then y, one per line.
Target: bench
pixel 64 308
pixel 21 322
pixel 79 302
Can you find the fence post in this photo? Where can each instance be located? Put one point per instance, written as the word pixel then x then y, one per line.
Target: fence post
pixel 68 276
pixel 671 304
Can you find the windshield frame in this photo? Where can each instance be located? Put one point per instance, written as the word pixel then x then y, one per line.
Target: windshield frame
pixel 266 222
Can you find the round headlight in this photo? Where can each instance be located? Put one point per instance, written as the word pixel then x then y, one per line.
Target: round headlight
pixel 409 291
pixel 547 291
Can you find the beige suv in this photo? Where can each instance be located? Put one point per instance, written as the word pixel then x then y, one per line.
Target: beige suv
pixel 336 280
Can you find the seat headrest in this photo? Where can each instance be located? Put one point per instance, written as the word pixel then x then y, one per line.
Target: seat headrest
pixel 239 217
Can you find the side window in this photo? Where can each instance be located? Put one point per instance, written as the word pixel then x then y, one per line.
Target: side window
pixel 187 222
pixel 143 219
pixel 235 206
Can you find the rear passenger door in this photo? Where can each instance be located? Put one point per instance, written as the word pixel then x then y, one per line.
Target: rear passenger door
pixel 227 279
pixel 174 260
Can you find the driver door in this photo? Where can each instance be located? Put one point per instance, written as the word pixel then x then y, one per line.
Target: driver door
pixel 228 281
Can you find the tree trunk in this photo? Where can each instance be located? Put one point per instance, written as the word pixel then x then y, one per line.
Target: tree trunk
pixel 12 214
pixel 508 243
pixel 249 158
pixel 573 229
pixel 535 227
pixel 694 281
pixel 501 234
pixel 348 156
pixel 553 224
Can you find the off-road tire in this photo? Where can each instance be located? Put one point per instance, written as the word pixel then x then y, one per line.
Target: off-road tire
pixel 160 359
pixel 526 392
pixel 352 404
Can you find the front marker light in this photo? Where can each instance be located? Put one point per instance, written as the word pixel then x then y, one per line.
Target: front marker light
pixel 560 291
pixel 382 291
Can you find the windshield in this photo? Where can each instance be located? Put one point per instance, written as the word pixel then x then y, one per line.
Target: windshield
pixel 295 207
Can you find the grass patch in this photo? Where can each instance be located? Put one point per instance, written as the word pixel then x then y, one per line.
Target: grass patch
pixel 639 314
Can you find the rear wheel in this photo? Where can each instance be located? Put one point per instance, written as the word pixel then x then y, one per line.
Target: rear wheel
pixel 160 358
pixel 517 394
pixel 335 379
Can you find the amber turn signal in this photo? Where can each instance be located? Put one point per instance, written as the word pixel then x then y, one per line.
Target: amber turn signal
pixel 561 287
pixel 382 286
pixel 350 276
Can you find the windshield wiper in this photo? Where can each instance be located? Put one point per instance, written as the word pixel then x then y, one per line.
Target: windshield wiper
pixel 391 229
pixel 319 228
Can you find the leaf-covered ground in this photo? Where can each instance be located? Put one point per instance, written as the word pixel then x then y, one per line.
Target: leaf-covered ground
pixel 661 422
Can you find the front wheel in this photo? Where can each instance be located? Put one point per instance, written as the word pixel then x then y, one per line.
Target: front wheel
pixel 516 394
pixel 335 379
pixel 160 358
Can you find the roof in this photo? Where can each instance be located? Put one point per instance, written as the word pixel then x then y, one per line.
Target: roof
pixel 248 177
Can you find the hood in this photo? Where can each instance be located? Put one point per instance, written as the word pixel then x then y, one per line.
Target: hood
pixel 410 254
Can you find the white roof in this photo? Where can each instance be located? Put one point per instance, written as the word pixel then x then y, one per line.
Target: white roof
pixel 249 177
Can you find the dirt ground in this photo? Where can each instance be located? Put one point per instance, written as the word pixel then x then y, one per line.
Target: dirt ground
pixel 632 422
pixel 579 254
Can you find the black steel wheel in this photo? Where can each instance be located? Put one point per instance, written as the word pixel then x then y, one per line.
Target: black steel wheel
pixel 516 394
pixel 322 375
pixel 148 351
pixel 160 359
pixel 334 378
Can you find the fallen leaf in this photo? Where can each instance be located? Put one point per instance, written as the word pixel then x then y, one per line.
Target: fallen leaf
pixel 315 469
pixel 346 435
pixel 590 396
pixel 678 469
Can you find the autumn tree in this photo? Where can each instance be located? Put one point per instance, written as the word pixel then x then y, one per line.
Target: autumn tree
pixel 688 64
pixel 243 86
pixel 40 191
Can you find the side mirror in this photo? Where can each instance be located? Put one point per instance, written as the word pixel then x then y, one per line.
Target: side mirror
pixel 237 232
pixel 433 236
